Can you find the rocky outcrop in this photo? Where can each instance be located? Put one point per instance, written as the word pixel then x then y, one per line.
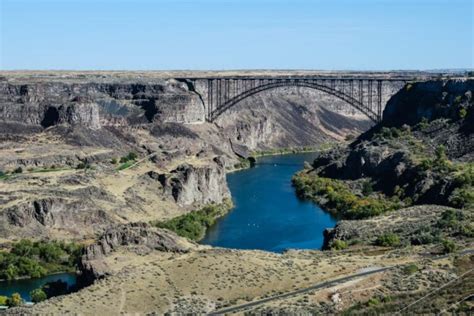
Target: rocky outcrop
pixel 95 104
pixel 428 100
pixel 139 238
pixel 37 218
pixel 191 185
pixel 405 223
pixel 418 121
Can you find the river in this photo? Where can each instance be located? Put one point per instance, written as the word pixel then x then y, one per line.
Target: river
pixel 267 214
pixel 25 286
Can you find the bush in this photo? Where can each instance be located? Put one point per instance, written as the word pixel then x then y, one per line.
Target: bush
pixel 130 157
pixel 338 244
pixel 3 300
pixel 410 269
pixel 388 240
pixel 462 113
pixel 81 165
pixel 367 188
pixel 18 170
pixel 448 246
pixel 38 295
pixel 14 300
pixel 114 161
pixel 462 197
pixel 373 302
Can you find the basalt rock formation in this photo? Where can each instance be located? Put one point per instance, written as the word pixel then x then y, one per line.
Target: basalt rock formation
pixel 425 135
pixel 139 238
pixel 64 139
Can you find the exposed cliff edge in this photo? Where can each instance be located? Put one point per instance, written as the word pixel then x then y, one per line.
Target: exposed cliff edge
pixel 423 150
pixel 139 238
pixel 65 139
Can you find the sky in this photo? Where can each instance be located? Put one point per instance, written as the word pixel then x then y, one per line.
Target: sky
pixel 236 34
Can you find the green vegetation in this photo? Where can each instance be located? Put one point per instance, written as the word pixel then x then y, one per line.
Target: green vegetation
pixel 130 157
pixel 82 165
pixel 3 300
pixel 244 163
pixel 335 196
pixel 283 151
pixel 454 224
pixel 388 240
pixel 18 170
pixel 127 161
pixel 193 225
pixel 38 295
pixel 373 302
pixel 387 133
pixel 410 269
pixel 36 259
pixel 367 188
pixel 338 244
pixel 14 300
pixel 462 113
pixel 448 246
pixel 3 175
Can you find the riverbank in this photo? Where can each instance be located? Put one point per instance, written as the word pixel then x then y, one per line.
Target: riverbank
pixel 267 214
pixel 194 224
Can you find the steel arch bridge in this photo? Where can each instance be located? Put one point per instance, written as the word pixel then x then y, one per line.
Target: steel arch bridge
pixel 222 93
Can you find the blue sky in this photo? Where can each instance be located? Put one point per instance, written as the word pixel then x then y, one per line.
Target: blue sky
pixel 236 34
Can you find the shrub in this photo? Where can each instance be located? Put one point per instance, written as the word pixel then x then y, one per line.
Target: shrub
pixel 462 113
pixel 81 165
pixel 130 157
pixel 14 300
pixel 373 302
pixel 457 99
pixel 388 240
pixel 367 188
pixel 338 244
pixel 410 269
pixel 114 161
pixel 3 300
pixel 38 295
pixel 18 170
pixel 462 197
pixel 448 246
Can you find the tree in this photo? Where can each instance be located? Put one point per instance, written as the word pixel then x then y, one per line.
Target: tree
pixel 38 295
pixel 15 300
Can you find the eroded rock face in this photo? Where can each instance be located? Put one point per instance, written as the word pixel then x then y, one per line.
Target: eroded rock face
pixel 405 223
pixel 36 218
pixel 189 185
pixel 96 104
pixel 140 238
pixel 392 157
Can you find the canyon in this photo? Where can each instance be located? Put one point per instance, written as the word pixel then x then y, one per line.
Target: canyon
pixel 98 157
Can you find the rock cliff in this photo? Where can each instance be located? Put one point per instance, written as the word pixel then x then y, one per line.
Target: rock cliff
pixel 139 238
pixel 421 150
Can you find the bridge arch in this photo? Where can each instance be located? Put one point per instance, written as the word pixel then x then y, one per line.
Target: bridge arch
pixel 357 104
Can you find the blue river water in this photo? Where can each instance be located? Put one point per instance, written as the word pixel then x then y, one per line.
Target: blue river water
pixel 25 286
pixel 267 214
